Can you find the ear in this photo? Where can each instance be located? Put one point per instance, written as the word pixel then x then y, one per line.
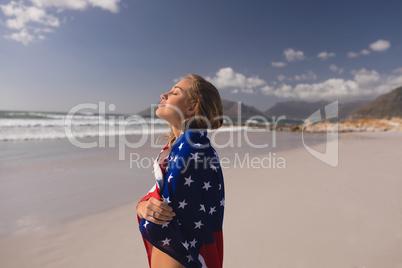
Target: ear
pixel 191 109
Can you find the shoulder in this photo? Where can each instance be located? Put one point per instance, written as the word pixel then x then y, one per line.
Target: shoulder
pixel 192 141
pixel 192 147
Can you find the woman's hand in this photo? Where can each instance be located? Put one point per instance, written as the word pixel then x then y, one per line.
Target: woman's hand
pixel 155 211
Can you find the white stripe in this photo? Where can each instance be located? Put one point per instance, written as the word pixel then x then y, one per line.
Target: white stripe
pixel 201 259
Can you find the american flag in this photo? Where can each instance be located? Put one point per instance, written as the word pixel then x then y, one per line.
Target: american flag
pixel 193 186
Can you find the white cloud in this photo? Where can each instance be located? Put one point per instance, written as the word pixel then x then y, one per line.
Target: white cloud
pixel 380 45
pixel 293 55
pixel 325 55
pixel 267 90
pixel 281 77
pixel 28 23
pixel 22 36
pixel 394 80
pixel 366 83
pixel 278 64
pixel 353 55
pixel 63 4
pixel 110 5
pixel 228 78
pixel 247 90
pixel 335 69
pixel 397 71
pixel 365 78
pixel 309 76
pixel 43 30
pixel 25 15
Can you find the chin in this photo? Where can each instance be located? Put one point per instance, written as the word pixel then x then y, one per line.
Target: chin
pixel 160 114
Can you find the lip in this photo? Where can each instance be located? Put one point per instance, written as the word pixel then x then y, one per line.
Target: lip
pixel 161 105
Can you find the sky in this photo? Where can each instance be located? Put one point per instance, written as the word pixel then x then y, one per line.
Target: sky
pixel 56 54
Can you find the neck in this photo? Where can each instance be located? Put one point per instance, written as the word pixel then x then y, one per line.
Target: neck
pixel 177 131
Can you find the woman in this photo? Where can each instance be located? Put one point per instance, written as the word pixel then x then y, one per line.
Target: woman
pixel 181 217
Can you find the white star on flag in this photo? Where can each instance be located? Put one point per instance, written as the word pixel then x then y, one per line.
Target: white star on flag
pixel 220 186
pixel 166 200
pixel 198 224
pixel 202 208
pixel 206 186
pixel 170 177
pixel 223 202
pixel 166 241
pixel 183 204
pixel 166 224
pixel 190 258
pixel 188 181
pixel 201 133
pixel 194 156
pixel 216 154
pixel 213 168
pixel 212 210
pixel 192 243
pixel 198 144
pixel 181 145
pixel 175 158
pixel 146 223
pixel 186 244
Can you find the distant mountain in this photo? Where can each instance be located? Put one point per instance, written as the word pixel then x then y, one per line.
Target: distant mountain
pixel 386 105
pixel 345 109
pixel 301 110
pixel 230 109
pixel 295 109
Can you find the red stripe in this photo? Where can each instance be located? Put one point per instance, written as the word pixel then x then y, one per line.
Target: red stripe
pixel 148 246
pixel 213 253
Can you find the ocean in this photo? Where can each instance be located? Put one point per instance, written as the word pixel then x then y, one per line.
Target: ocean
pixel 22 126
pixel 32 125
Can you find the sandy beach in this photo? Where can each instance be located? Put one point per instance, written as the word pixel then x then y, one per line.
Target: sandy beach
pixel 303 214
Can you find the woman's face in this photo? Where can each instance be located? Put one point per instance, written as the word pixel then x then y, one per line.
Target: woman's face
pixel 174 106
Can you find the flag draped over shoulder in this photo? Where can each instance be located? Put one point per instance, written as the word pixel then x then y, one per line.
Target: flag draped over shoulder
pixel 193 186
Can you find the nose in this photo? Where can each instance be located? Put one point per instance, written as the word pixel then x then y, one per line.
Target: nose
pixel 163 96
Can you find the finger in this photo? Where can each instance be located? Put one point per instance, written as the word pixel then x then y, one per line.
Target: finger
pixel 158 203
pixel 160 213
pixel 154 218
pixel 161 208
pixel 162 217
pixel 156 221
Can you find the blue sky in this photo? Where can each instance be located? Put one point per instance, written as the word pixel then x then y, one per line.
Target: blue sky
pixel 56 54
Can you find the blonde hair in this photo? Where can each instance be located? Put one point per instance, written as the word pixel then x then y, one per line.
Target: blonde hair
pixel 208 111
